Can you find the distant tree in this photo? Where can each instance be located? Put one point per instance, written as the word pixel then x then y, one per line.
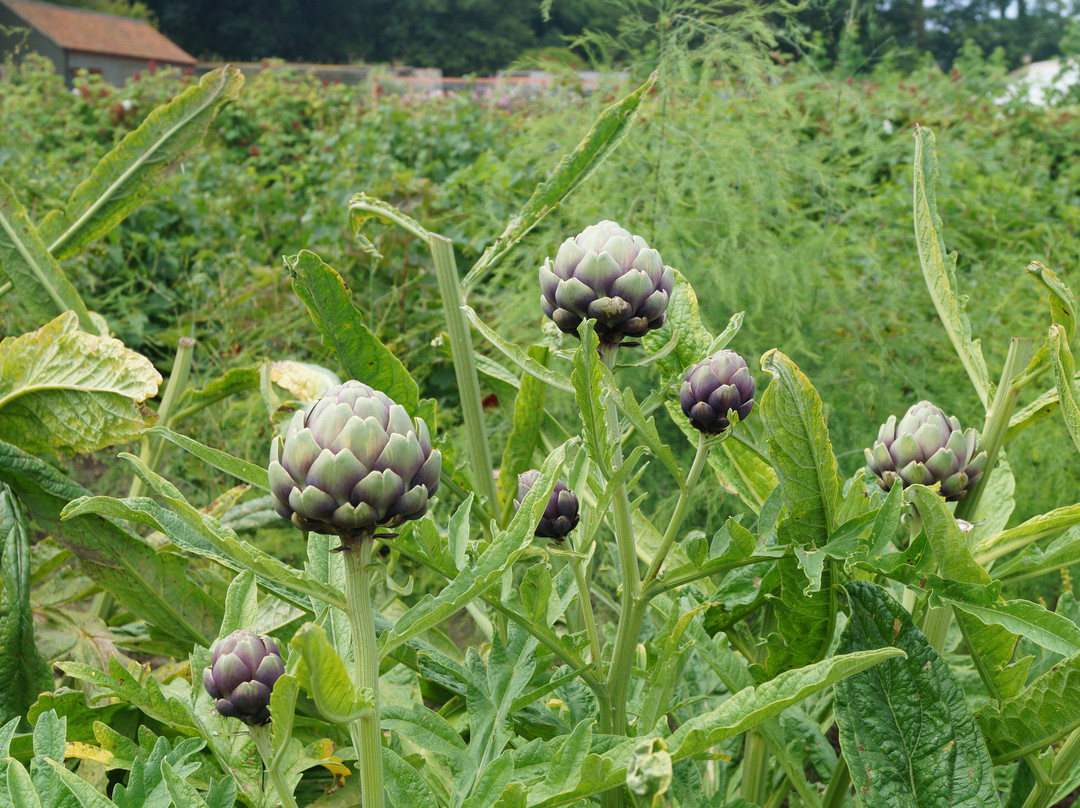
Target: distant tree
pixel 125 8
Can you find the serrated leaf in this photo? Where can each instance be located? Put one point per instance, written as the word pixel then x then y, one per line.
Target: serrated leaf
pixel 205 535
pixel 85 794
pixel 610 127
pixel 504 550
pixel 994 645
pixel 804 621
pixel 20 788
pixel 43 290
pixel 683 317
pixel 1041 714
pixel 23 672
pixel 137 687
pixel 121 181
pixel 1061 359
pixel 492 781
pixel 457 533
pixel 234 466
pixel 906 730
pixel 361 354
pixel 591 394
pixel 516 355
pixel 1063 552
pixel 800 450
pixel 646 429
pixel 282 714
pixel 431 732
pixel 939 266
pixel 404 784
pixel 152 584
pixel 230 383
pixel 64 390
pixel 241 604
pixel 363 208
pixel 525 429
pixel 324 676
pixel 183 793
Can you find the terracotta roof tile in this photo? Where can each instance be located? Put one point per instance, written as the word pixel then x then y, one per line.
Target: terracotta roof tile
pixel 93 32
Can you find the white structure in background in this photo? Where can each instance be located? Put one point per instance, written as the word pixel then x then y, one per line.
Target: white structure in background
pixel 1039 82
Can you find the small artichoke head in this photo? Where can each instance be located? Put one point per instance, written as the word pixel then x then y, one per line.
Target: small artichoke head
pixel 716 388
pixel 608 275
pixel 924 447
pixel 243 670
pixel 561 513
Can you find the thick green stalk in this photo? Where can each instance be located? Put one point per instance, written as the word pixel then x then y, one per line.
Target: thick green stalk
pixel 997 420
pixel 261 737
pixel 153 448
pixel 632 612
pixel 587 616
pixel 839 785
pixel 6 287
pixel 365 730
pixel 442 251
pixel 680 510
pixel 755 769
pixel 936 622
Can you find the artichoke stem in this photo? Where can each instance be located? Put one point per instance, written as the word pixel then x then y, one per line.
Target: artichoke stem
pixel 366 735
pixel 261 736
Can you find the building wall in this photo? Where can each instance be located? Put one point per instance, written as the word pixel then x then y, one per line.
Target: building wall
pixel 17 40
pixel 113 69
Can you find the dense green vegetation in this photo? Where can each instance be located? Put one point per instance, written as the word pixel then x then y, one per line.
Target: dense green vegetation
pixel 708 614
pixel 800 187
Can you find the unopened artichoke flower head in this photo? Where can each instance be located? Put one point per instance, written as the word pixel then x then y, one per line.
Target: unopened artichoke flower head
pixel 560 515
pixel 715 389
pixel 244 668
pixel 351 462
pixel 608 275
pixel 924 447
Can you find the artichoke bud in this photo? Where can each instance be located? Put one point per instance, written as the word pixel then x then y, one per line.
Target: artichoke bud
pixel 561 514
pixel 243 670
pixel 714 388
pixel 925 447
pixel 352 461
pixel 648 777
pixel 608 275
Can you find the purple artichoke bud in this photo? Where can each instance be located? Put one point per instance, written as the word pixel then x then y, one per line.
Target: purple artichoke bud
pixel 351 461
pixel 243 670
pixel 716 387
pixel 561 514
pixel 926 447
pixel 610 276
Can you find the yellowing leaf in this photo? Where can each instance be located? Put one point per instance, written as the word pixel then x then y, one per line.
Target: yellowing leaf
pixel 64 390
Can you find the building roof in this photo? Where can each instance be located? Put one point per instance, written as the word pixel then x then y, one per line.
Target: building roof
pixel 76 29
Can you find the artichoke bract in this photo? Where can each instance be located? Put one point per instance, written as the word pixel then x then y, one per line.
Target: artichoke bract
pixel 608 275
pixel 714 389
pixel 561 514
pixel 243 670
pixel 924 447
pixel 353 461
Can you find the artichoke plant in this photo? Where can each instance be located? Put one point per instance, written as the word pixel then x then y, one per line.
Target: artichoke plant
pixel 608 275
pixel 714 389
pixel 925 447
pixel 561 514
pixel 353 460
pixel 243 670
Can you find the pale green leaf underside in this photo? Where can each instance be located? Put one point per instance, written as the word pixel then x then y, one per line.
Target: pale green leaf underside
pixel 133 170
pixel 939 266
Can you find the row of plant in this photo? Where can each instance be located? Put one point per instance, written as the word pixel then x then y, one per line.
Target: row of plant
pixel 426 649
pixel 805 181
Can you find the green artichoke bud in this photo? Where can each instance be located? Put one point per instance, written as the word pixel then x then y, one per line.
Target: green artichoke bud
pixel 243 670
pixel 610 276
pixel 352 461
pixel 714 388
pixel 926 447
pixel 561 514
